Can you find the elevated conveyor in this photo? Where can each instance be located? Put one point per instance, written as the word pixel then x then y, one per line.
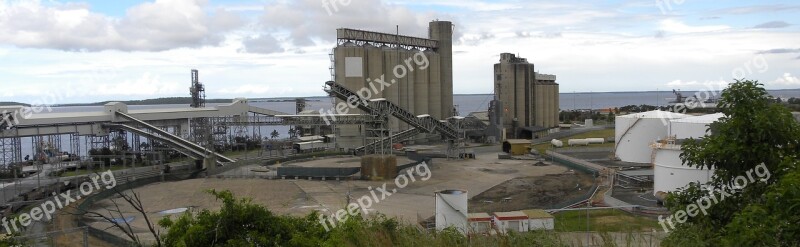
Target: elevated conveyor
pixel 386 142
pixel 177 146
pixel 175 140
pixel 376 107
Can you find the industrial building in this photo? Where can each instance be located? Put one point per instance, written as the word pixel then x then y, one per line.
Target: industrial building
pixel 479 223
pixel 515 221
pixel 539 219
pixel 529 99
pixel 423 84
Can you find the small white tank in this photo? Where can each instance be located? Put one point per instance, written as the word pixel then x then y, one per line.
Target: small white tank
pixel 589 122
pixel 596 140
pixel 557 143
pixel 578 142
pixel 451 210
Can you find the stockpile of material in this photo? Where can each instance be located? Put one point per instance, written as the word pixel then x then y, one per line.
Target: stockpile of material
pixel 378 167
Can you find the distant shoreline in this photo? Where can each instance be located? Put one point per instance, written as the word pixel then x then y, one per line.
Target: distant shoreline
pixel 188 100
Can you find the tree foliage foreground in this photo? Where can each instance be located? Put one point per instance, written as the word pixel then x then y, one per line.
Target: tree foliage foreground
pixel 755 131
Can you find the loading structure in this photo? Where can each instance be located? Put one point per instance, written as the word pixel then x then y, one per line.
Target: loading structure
pixel 380 109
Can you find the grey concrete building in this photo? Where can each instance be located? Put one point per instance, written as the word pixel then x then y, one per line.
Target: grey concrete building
pixel 529 99
pixel 421 67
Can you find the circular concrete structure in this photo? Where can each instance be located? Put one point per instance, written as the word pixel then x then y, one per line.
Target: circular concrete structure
pixel 635 132
pixel 669 171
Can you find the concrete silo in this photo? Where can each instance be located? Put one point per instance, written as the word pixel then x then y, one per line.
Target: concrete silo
pixel 364 56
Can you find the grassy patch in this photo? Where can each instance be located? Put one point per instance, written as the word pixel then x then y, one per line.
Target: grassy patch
pixel 603 133
pixel 85 171
pixel 605 220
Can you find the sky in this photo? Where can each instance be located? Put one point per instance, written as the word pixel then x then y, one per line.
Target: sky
pixel 122 50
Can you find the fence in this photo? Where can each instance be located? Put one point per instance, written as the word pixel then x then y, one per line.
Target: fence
pixel 56 237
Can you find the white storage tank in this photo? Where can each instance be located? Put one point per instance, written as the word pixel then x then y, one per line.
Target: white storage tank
pixel 451 210
pixel 669 171
pixel 578 142
pixel 692 127
pixel 635 132
pixel 670 174
pixel 596 140
pixel 557 143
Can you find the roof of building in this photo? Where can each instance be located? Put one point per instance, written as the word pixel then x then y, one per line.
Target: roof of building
pixel 481 115
pixel 518 141
pixel 537 214
pixel 702 119
pixel 479 217
pixel 513 215
pixel 655 114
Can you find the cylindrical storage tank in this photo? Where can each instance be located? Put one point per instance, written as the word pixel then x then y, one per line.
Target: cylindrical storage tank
pixel 596 140
pixel 635 132
pixel 589 122
pixel 451 210
pixel 391 93
pixel 434 86
pixel 557 143
pixel 410 86
pixel 402 72
pixel 420 85
pixel 374 61
pixel 692 127
pixel 670 173
pixel 556 105
pixel 442 31
pixel 577 142
pixel 351 136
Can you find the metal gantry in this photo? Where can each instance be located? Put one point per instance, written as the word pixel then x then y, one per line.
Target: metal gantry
pixel 380 108
pixel 10 151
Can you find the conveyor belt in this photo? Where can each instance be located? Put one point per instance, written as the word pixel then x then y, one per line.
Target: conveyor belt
pixel 425 123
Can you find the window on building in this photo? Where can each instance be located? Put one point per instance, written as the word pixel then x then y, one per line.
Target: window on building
pixel 499 77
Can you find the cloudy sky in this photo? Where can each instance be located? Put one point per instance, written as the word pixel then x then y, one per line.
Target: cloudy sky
pixel 123 49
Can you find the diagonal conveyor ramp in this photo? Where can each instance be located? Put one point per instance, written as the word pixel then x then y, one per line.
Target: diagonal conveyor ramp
pixel 420 124
pixel 173 139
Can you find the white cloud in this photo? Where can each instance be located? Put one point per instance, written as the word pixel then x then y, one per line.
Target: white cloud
pixel 264 43
pixel 151 26
pixel 787 80
pixel 308 20
pixel 675 26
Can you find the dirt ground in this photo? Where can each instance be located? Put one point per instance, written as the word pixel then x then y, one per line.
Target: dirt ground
pixel 67 220
pixel 542 192
pixel 409 204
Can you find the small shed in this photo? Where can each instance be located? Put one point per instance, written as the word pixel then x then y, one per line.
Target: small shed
pixel 515 221
pixel 517 146
pixel 539 219
pixel 479 223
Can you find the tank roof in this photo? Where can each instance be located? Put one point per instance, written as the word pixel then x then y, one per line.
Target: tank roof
pixel 656 114
pixel 702 119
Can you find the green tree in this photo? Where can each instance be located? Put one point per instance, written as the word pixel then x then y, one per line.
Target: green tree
pixel 240 223
pixel 753 131
pixel 274 134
